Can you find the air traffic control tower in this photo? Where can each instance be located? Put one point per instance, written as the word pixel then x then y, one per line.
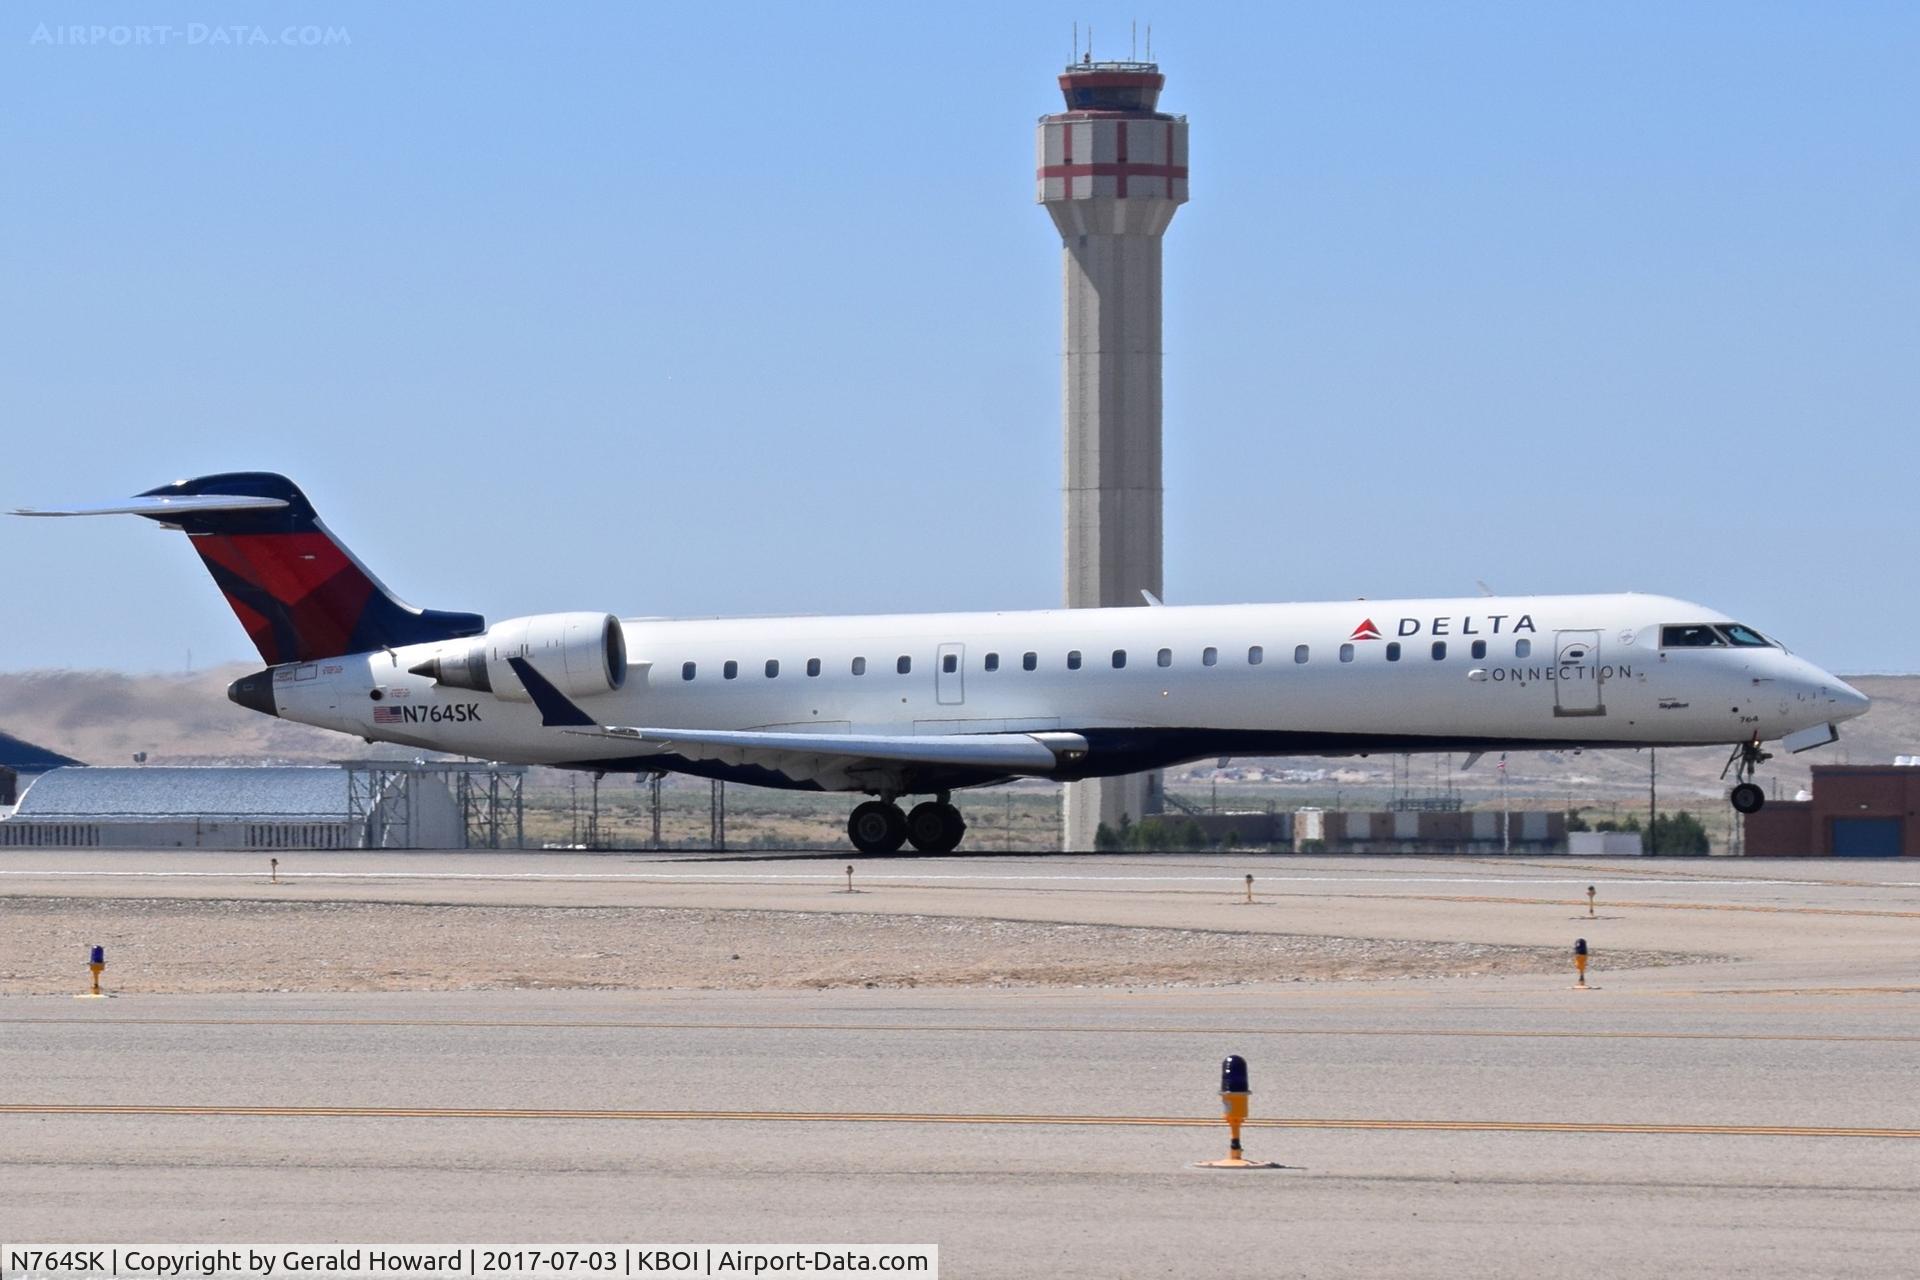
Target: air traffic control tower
pixel 1112 170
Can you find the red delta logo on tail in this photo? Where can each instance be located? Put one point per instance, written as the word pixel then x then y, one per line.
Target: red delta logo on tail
pixel 1365 631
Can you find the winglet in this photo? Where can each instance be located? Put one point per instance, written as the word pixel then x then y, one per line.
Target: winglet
pixel 555 710
pixel 1151 598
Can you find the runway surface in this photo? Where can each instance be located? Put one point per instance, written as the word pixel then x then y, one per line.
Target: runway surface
pixel 1757 1113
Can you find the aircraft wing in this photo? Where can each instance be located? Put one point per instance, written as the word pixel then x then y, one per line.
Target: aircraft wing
pixel 1021 753
pixel 817 756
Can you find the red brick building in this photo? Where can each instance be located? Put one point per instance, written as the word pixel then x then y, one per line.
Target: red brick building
pixel 1860 811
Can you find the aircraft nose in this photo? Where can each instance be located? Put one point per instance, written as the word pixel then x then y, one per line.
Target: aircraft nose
pixel 1846 700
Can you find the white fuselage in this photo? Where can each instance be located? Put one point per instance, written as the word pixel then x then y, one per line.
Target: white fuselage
pixel 1150 686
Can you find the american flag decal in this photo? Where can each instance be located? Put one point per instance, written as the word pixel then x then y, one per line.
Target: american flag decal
pixel 387 715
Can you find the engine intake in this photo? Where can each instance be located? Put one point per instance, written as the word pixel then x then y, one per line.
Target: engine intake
pixel 582 654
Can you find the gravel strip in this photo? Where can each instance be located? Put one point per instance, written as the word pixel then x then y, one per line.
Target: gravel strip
pixel 218 945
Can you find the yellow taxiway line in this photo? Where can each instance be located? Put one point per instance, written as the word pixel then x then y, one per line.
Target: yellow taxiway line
pixel 904 1117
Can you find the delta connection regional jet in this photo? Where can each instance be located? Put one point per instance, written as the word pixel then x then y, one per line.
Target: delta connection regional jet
pixel 928 704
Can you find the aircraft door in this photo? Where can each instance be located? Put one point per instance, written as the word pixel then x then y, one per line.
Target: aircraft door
pixel 1577 682
pixel 950 675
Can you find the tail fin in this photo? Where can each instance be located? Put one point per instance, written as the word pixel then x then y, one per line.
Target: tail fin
pixel 300 594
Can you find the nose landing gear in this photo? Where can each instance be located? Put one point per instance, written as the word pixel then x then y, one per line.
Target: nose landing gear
pixel 1743 764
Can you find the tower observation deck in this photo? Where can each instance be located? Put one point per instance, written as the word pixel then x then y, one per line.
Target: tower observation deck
pixel 1112 169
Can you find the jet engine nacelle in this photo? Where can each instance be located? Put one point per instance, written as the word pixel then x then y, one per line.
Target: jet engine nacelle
pixel 581 654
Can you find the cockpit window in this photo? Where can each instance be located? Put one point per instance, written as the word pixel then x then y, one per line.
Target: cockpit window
pixel 1745 637
pixel 1696 635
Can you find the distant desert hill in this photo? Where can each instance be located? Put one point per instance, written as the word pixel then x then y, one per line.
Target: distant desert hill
pixel 104 718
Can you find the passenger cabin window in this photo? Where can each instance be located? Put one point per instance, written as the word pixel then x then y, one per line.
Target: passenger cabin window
pixel 1746 637
pixel 1209 656
pixel 1073 659
pixel 1256 655
pixel 1696 635
pixel 773 667
pixel 1299 653
pixel 992 662
pixel 1119 659
pixel 731 670
pixel 1029 660
pixel 813 666
pixel 1521 648
pixel 1393 651
pixel 686 671
pixel 1439 650
pixel 904 665
pixel 859 666
pixel 1479 648
pixel 1164 657
pixel 949 662
pixel 1346 653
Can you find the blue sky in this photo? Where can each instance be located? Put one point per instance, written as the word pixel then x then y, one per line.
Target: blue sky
pixel 748 309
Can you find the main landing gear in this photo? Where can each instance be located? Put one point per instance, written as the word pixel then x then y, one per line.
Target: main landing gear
pixel 878 826
pixel 1743 764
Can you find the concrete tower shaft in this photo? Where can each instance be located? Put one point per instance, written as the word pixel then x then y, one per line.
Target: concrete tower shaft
pixel 1112 170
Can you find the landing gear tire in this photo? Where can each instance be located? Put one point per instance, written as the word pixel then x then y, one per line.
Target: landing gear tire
pixel 1743 764
pixel 877 827
pixel 934 827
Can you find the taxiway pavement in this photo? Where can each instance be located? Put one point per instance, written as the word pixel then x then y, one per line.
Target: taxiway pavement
pixel 1756 1114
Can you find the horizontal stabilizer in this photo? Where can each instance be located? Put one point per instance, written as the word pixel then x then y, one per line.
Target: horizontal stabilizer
pixel 161 506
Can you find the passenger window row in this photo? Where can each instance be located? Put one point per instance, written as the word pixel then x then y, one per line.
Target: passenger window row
pixel 1030 660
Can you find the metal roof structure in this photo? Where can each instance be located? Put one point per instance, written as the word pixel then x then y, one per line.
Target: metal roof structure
pixel 271 793
pixel 24 757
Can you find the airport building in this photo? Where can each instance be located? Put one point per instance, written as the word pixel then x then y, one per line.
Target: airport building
pixel 1430 831
pixel 351 805
pixel 1855 811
